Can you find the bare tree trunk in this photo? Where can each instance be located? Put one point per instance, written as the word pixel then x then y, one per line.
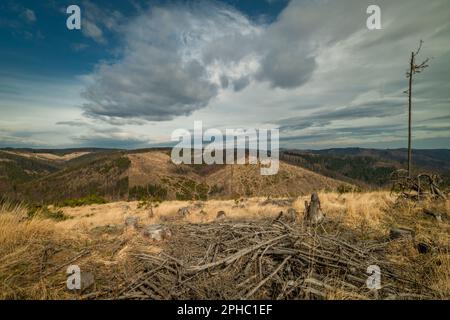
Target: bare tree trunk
pixel 413 69
pixel 410 114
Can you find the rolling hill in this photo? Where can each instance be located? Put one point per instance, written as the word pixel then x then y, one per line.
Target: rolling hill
pixel 57 175
pixel 123 175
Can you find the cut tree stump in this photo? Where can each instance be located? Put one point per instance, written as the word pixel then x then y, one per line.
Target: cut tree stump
pixel 313 211
pixel 157 232
pixel 132 221
pixel 221 215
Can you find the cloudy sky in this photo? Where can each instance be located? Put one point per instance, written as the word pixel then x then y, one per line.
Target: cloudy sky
pixel 137 70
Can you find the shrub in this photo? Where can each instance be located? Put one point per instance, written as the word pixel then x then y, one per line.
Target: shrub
pixel 45 213
pixel 154 191
pixel 88 200
pixel 343 188
pixel 122 163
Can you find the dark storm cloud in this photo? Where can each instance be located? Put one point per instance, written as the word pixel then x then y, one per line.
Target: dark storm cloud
pixel 74 123
pixel 347 132
pixel 371 109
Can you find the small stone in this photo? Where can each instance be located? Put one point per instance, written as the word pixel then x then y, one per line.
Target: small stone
pixel 87 280
pixel 157 232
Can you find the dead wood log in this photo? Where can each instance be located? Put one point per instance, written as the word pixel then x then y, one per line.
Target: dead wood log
pixel 235 256
pixel 398 233
pixel 436 215
pixel 260 284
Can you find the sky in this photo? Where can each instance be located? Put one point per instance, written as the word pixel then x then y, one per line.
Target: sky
pixel 138 70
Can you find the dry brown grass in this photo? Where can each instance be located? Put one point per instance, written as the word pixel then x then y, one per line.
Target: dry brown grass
pixel 34 253
pixel 21 249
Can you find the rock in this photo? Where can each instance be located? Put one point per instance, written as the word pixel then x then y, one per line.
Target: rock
pixel 184 211
pixel 87 280
pixel 221 215
pixel 132 221
pixel 157 232
pixel 399 233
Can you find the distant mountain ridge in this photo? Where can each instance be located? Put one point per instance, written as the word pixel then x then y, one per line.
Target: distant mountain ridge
pixel 369 167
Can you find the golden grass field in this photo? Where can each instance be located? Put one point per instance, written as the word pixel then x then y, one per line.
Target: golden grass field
pixel 35 252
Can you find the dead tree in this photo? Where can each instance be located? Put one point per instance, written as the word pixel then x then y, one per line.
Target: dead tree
pixel 414 68
pixel 313 211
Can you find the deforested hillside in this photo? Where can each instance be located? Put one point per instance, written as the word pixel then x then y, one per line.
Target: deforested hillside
pixel 103 176
pixel 17 168
pixel 200 182
pixel 135 175
pixel 54 176
pixel 246 181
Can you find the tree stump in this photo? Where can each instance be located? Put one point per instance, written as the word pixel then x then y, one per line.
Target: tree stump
pixel 132 221
pixel 313 211
pixel 157 232
pixel 221 215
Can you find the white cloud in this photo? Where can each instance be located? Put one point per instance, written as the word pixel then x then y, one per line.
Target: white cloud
pixel 29 15
pixel 168 68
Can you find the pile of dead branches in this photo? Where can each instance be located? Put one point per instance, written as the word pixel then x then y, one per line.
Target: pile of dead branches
pixel 423 186
pixel 265 260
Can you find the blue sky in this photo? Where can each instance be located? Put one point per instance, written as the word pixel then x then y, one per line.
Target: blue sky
pixel 137 70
